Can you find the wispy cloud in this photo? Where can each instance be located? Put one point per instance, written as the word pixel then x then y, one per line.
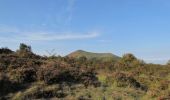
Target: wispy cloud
pixel 70 8
pixel 45 36
pixel 60 17
pixel 14 34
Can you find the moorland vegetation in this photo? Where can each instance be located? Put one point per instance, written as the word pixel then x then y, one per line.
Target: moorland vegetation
pixel 25 75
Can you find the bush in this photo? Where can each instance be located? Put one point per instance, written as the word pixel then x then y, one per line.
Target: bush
pixel 23 75
pixel 128 58
pixel 57 74
pixel 6 86
pixel 24 47
pixel 88 77
pixel 124 80
pixel 5 51
pixel 49 75
pixel 25 51
pixel 39 91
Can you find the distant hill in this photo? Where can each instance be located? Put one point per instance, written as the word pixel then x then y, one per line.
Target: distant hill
pixel 90 55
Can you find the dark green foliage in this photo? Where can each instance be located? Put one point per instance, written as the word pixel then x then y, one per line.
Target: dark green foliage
pixel 25 51
pixel 25 48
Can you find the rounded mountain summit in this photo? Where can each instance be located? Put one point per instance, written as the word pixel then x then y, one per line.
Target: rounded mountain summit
pixel 91 55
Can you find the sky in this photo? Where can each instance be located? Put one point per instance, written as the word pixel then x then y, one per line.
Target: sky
pixel 141 27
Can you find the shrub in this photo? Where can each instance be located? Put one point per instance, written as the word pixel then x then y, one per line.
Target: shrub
pixel 163 85
pixel 25 51
pixel 49 75
pixel 5 51
pixel 124 80
pixel 88 77
pixel 40 90
pixel 7 86
pixel 58 74
pixel 128 63
pixel 4 84
pixel 23 75
pixel 24 47
pixel 128 58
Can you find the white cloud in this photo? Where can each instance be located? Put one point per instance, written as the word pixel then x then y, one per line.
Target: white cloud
pixel 17 35
pixel 45 36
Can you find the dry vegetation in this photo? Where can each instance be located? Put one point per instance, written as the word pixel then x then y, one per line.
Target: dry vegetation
pixel 25 75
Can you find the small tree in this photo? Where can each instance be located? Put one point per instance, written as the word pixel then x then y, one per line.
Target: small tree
pixel 129 58
pixel 24 50
pixel 24 47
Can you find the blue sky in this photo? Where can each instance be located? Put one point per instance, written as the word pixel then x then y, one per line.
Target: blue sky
pixel 141 27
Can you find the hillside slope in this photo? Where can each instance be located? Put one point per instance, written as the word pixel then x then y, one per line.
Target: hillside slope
pixel 90 55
